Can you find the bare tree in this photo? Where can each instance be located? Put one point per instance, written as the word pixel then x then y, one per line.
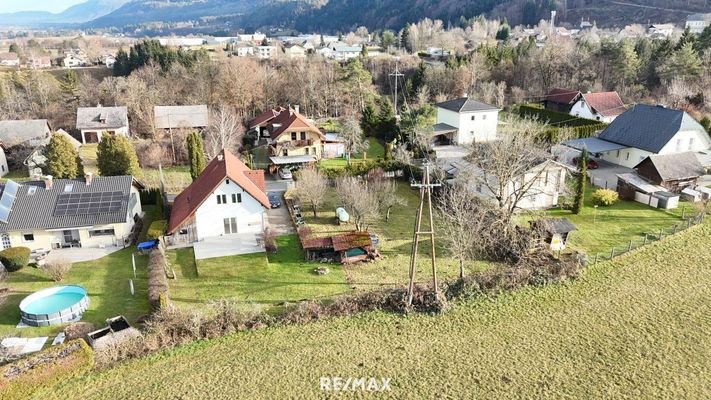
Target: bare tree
pixel 359 200
pixel 311 187
pixel 225 132
pixel 385 191
pixel 352 137
pixel 509 168
pixel 459 221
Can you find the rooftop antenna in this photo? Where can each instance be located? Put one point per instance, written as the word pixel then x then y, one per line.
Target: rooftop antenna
pixel 397 76
pixel 425 195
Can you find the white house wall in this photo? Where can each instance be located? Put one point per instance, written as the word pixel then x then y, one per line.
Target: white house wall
pixel 209 217
pixel 582 109
pixel 681 142
pixel 628 157
pixel 481 129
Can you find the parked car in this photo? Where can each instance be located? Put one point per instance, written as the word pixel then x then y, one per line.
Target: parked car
pixel 274 200
pixel 592 164
pixel 285 173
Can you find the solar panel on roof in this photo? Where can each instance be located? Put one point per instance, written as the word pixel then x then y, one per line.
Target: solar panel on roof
pixel 7 199
pixel 70 204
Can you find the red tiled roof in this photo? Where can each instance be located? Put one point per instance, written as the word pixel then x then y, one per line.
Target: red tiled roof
pixel 607 104
pixel 562 96
pixel 265 117
pixel 351 240
pixel 227 165
pixel 292 121
pixel 313 243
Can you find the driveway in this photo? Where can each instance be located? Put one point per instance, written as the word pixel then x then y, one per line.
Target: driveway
pixel 280 221
pixel 606 175
pixel 274 184
pixel 228 245
pixel 80 254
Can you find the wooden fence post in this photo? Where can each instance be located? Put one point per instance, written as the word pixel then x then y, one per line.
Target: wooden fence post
pixel 683 211
pixel 661 233
pixel 645 240
pixel 612 253
pixel 629 248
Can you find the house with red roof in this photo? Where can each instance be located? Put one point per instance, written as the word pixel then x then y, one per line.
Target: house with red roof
pixel 561 100
pixel 601 106
pixel 227 198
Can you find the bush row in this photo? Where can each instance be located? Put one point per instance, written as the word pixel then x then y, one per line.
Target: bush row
pixel 157 279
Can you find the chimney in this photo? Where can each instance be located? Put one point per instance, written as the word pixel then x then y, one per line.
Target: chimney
pixel 48 182
pixel 296 108
pixel 221 156
pixel 88 177
pixel 465 95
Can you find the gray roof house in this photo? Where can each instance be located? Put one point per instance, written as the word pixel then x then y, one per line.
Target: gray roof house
pixel 177 117
pixel 464 121
pixel 93 122
pixel 90 212
pixel 30 131
pixel 645 130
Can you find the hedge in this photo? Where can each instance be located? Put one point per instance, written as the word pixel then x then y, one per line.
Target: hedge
pixel 555 117
pixel 157 279
pixel 157 229
pixel 25 378
pixel 15 258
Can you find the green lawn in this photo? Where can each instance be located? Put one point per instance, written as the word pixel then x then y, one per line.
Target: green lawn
pixel 634 328
pixel 374 152
pixel 176 178
pixel 252 278
pixel 395 245
pixel 105 279
pixel 599 231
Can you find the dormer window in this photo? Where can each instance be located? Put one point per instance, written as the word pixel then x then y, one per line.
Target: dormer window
pixel 68 187
pixel 31 190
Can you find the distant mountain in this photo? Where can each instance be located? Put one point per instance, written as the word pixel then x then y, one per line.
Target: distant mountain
pixel 303 15
pixel 80 13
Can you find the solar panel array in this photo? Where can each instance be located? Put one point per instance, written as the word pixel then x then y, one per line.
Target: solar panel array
pixel 69 204
pixel 7 199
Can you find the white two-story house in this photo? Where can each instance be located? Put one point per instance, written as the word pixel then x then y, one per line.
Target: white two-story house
pixel 601 106
pixel 645 130
pixel 226 199
pixel 465 121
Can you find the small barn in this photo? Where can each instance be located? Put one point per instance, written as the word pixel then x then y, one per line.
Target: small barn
pixel 555 231
pixel 674 172
pixel 346 248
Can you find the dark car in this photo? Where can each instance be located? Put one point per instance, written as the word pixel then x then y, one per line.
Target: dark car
pixel 274 200
pixel 592 164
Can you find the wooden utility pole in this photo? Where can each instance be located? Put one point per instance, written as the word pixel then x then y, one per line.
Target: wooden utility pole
pixel 397 76
pixel 425 195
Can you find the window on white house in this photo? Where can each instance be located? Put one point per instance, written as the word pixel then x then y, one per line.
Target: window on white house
pixel 293 135
pixel 678 145
pixel 102 232
pixel 28 237
pixel 230 225
pixel 221 199
pixel 227 181
pixel 6 241
pixel 303 135
pixel 236 197
pixel 239 197
pixel 307 150
pixel 483 117
pixel 473 117
pixel 618 154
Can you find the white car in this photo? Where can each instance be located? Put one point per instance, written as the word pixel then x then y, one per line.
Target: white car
pixel 285 173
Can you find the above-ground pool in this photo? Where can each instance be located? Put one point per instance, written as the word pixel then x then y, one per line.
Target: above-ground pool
pixel 55 305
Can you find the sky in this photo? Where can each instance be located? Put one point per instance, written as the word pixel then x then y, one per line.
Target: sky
pixel 54 6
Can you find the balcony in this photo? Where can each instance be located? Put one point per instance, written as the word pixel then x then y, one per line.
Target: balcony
pixel 301 143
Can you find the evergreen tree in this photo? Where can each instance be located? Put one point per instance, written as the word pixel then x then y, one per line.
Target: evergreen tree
pixel 405 38
pixel 63 160
pixel 625 64
pixel 14 48
pixel 387 123
pixel 684 64
pixel 704 41
pixel 116 156
pixel 69 85
pixel 265 42
pixel 196 154
pixel 581 183
pixel 369 120
pixel 706 123
pixel 364 51
pixel 503 33
pixel 122 66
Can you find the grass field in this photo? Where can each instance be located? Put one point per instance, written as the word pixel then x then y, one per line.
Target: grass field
pixel 615 226
pixel 105 279
pixel 374 152
pixel 633 328
pixel 252 278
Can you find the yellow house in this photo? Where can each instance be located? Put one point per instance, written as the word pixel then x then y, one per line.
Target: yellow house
pixel 291 134
pixel 51 214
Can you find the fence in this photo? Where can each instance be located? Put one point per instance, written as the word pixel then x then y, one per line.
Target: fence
pixel 646 239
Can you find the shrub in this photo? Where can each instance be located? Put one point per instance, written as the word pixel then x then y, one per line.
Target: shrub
pixel 15 258
pixel 57 269
pixel 157 229
pixel 157 279
pixel 78 330
pixel 270 243
pixel 605 197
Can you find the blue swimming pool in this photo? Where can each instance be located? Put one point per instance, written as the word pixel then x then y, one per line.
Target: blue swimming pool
pixel 54 305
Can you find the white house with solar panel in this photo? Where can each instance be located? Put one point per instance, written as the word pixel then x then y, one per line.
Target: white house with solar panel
pixel 97 212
